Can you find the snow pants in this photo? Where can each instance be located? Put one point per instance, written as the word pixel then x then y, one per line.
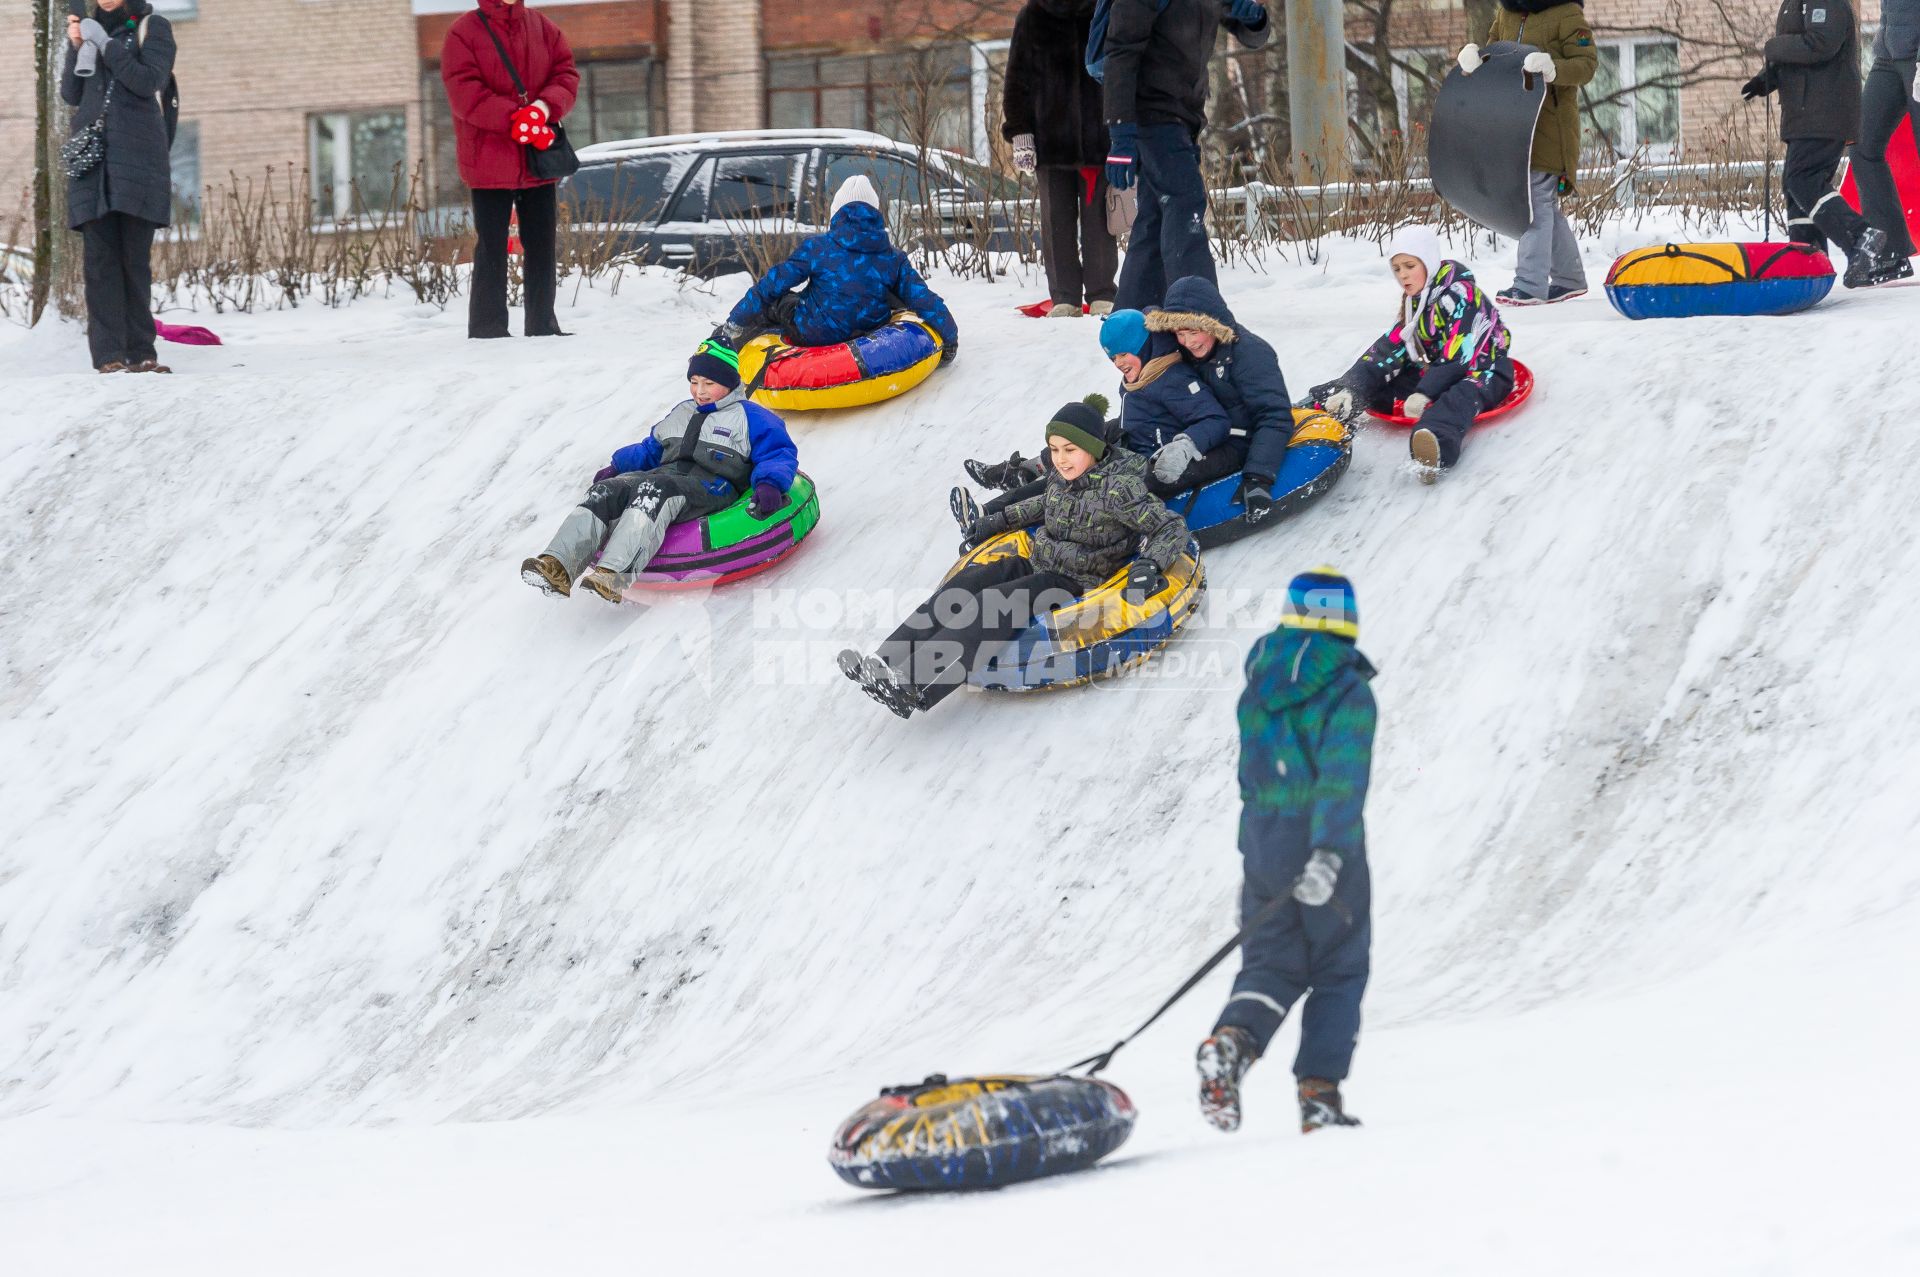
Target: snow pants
pixel 1169 236
pixel 1548 253
pixel 539 271
pixel 1815 211
pixel 1081 255
pixel 638 507
pixel 974 613
pixel 1884 102
pixel 1452 412
pixel 118 265
pixel 1318 953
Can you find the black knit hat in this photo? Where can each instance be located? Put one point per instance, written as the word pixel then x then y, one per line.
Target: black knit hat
pixel 1082 423
pixel 716 363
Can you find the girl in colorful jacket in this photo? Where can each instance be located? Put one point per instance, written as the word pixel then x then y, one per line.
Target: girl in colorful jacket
pixel 1446 356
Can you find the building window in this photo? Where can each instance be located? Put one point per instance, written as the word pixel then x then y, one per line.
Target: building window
pixel 357 161
pixel 185 161
pixel 1634 100
pixel 177 9
pixel 618 101
pixel 921 96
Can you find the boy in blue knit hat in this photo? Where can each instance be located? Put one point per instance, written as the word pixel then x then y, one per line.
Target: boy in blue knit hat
pixel 1306 750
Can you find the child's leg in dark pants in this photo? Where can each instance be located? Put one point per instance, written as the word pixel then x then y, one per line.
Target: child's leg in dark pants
pixel 1452 413
pixel 1019 494
pixel 980 608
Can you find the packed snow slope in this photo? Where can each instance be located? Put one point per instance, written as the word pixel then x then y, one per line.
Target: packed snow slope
pixel 317 817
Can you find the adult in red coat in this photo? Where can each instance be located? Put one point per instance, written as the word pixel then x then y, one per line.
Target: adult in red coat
pixel 493 124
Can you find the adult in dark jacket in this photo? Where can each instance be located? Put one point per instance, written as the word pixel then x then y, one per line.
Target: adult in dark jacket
pixel 1813 63
pixel 1156 104
pixel 492 127
pixel 842 284
pixel 1244 375
pixel 1306 755
pixel 1888 96
pixel 1051 116
pixel 119 205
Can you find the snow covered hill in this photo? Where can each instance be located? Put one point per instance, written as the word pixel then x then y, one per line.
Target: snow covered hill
pixel 328 843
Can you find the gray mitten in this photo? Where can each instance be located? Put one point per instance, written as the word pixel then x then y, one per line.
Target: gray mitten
pixel 93 38
pixel 1174 457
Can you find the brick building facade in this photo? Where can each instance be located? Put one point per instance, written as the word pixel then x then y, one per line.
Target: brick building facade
pixel 335 93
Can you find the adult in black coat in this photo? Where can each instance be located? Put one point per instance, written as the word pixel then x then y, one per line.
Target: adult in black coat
pixel 1052 117
pixel 123 200
pixel 1156 104
pixel 1813 63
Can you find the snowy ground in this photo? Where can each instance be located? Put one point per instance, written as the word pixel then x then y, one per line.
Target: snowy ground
pixel 362 910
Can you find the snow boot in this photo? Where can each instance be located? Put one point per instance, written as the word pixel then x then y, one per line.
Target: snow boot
pixel 1064 310
pixel 1223 1060
pixel 1258 499
pixel 1003 476
pixel 966 511
pixel 1872 261
pixel 1425 446
pixel 607 583
pixel 1564 293
pixel 547 573
pixel 1100 310
pixel 1320 1105
pixel 876 678
pixel 1517 296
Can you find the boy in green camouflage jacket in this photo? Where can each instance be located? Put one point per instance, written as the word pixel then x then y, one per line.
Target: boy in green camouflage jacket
pixel 1306 750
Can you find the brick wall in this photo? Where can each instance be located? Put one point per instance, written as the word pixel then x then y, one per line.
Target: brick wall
pixel 611 29
pixel 16 119
pixel 715 71
pixel 866 24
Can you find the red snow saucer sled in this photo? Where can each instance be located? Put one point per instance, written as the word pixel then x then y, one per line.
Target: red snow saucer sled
pixel 1522 388
pixel 1040 310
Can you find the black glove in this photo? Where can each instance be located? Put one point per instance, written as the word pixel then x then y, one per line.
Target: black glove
pixel 1258 499
pixel 1144 580
pixel 949 352
pixel 1757 87
pixel 767 499
pixel 985 527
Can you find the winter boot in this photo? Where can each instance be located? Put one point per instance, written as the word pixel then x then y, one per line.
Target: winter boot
pixel 1004 476
pixel 148 365
pixel 1223 1060
pixel 1564 292
pixel 547 573
pixel 1064 310
pixel 1258 499
pixel 1425 446
pixel 877 679
pixel 608 584
pixel 1873 261
pixel 1518 296
pixel 966 511
pixel 1320 1105
pixel 1100 310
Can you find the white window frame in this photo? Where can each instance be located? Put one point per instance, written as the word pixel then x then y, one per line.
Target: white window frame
pixel 1662 152
pixel 341 184
pixel 979 82
pixel 1403 83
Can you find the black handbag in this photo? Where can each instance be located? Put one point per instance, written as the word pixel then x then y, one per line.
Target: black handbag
pixel 83 152
pixel 558 160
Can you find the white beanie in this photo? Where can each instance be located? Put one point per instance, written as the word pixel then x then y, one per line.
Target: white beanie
pixel 1418 242
pixel 855 190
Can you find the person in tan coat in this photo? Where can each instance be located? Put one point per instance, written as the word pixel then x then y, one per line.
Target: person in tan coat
pixel 1548 267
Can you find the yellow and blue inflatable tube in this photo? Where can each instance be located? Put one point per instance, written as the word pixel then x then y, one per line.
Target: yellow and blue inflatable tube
pixel 1100 635
pixel 876 366
pixel 1680 281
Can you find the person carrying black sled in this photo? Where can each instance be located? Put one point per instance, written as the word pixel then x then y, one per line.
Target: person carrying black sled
pixel 1813 63
pixel 1094 517
pixel 701 457
pixel 1306 751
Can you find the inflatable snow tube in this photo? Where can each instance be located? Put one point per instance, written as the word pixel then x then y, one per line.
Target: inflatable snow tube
pixel 1522 388
pixel 1099 635
pixel 1317 455
pixel 729 544
pixel 888 361
pixel 983 1132
pixel 1680 281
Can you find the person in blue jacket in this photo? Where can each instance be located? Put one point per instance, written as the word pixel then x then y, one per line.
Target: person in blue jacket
pixel 1165 411
pixel 840 285
pixel 701 457
pixel 1306 754
pixel 1244 375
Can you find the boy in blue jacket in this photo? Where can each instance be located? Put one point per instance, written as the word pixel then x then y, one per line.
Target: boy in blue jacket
pixel 1306 754
pixel 853 277
pixel 700 458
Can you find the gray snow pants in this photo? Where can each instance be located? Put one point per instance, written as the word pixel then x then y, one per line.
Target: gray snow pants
pixel 639 507
pixel 1549 254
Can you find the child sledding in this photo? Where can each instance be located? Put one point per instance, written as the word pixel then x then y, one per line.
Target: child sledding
pixel 708 453
pixel 1446 356
pixel 1095 518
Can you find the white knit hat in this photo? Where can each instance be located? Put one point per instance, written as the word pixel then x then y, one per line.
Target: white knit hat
pixel 856 190
pixel 1418 242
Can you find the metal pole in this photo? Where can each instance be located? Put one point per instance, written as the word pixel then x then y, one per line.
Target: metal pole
pixel 1317 89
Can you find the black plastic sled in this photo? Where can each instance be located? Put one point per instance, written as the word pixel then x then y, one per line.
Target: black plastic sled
pixel 1480 147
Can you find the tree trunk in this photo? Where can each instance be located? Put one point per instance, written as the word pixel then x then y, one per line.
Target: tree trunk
pixel 42 159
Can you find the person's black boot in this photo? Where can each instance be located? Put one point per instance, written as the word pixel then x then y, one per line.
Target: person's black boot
pixel 1874 261
pixel 1004 476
